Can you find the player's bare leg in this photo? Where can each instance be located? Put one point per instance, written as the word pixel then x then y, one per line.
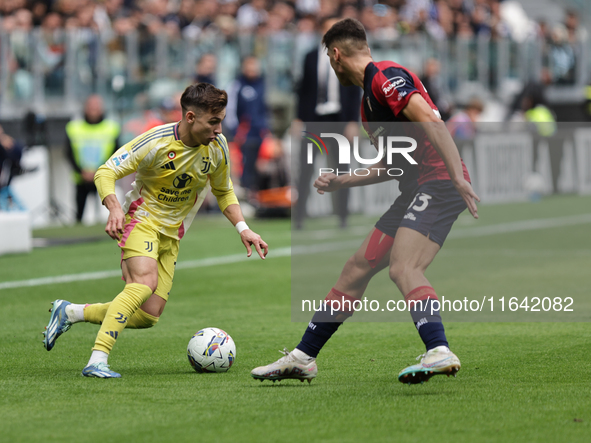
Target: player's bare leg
pixel 155 304
pixel 358 272
pixel 411 254
pixel 351 284
pixel 65 314
pixel 141 278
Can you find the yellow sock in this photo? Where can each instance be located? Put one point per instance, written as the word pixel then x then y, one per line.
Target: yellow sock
pixel 141 320
pixel 96 312
pixel 120 310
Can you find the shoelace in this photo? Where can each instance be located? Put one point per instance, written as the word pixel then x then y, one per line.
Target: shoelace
pixel 286 356
pixel 421 357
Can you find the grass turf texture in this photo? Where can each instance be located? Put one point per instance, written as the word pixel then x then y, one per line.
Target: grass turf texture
pixel 519 381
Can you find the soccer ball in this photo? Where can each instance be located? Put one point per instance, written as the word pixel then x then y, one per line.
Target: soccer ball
pixel 211 350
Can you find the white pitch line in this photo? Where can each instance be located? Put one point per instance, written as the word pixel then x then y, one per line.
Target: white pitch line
pixel 190 264
pixel 502 228
pixel 524 225
pixel 480 231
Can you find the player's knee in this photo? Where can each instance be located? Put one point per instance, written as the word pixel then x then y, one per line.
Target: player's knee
pixel 359 264
pixel 150 282
pixel 398 271
pixel 354 269
pixel 146 281
pixel 350 265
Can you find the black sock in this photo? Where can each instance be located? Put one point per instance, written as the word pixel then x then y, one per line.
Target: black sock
pixel 429 324
pixel 319 331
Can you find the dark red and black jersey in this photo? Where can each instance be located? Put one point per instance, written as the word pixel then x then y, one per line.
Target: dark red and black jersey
pixel 387 88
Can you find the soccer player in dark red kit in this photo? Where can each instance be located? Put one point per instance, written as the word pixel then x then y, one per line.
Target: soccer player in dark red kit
pixel 409 235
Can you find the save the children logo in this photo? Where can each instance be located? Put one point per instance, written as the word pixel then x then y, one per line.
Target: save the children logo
pixel 182 181
pixel 386 147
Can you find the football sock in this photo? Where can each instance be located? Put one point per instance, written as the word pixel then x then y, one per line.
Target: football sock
pixel 428 322
pixel 75 313
pixel 120 310
pixel 95 313
pixel 324 323
pixel 142 320
pixel 98 357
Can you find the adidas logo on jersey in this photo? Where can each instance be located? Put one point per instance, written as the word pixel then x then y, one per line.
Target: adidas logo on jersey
pixel 169 165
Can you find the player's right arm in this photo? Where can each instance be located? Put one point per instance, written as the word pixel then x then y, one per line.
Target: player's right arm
pixel 116 220
pixel 126 160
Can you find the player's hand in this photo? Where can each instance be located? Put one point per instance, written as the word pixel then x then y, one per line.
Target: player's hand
pixel 249 238
pixel 464 188
pixel 327 183
pixel 115 223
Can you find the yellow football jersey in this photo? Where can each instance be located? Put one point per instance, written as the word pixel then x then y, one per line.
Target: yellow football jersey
pixel 172 179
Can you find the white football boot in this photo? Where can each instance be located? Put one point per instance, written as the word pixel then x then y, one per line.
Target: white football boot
pixel 436 361
pixel 289 366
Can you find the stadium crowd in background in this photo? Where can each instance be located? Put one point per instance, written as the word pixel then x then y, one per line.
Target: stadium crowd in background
pixel 256 27
pixel 107 22
pixel 191 18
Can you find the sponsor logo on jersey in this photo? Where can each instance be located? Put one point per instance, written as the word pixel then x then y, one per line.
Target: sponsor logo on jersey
pixel 182 181
pixel 174 195
pixel 392 84
pixel 410 216
pixel 378 131
pixel 120 158
pixel 169 165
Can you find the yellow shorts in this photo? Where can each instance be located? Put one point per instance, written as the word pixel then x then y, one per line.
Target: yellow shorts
pixel 142 240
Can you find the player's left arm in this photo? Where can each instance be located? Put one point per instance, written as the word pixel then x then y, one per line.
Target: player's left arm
pixel 418 110
pixel 248 237
pixel 223 190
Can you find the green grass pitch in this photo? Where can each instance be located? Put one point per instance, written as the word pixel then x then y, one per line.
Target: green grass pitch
pixel 525 381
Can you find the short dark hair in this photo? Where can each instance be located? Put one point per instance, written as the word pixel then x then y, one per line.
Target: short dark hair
pixel 204 97
pixel 347 29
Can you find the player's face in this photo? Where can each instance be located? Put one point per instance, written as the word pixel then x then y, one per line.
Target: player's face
pixel 205 126
pixel 335 56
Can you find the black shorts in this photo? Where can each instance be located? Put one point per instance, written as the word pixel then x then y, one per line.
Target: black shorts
pixel 430 209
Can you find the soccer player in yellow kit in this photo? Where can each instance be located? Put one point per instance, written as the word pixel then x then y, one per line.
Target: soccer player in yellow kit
pixel 176 165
